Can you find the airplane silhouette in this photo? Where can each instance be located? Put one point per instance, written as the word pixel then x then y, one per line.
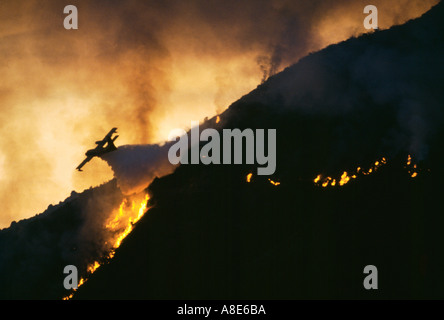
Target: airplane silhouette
pixel 100 149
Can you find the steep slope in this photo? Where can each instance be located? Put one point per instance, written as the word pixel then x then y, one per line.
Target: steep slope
pixel 211 234
pixel 34 251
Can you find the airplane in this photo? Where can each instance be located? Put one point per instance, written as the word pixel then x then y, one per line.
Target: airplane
pixel 100 149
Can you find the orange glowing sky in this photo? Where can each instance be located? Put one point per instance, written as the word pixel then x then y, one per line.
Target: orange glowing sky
pixel 145 67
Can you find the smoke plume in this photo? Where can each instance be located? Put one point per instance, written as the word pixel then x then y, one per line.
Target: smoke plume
pixel 135 166
pixel 377 93
pixel 146 67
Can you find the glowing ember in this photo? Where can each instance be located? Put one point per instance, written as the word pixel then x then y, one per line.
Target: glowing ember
pixel 412 169
pixel 217 119
pixel 346 177
pixel 275 183
pixel 68 297
pixel 93 267
pixel 249 177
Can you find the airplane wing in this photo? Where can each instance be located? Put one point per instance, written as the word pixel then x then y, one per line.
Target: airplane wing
pixel 99 149
pixel 101 143
pixel 84 162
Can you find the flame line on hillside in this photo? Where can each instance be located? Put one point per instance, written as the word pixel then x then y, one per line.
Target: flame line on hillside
pixel 412 168
pixel 346 177
pixel 121 222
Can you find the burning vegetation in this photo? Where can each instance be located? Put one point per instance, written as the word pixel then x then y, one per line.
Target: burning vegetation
pixel 250 175
pixel 275 183
pixel 412 168
pixel 347 176
pixel 120 223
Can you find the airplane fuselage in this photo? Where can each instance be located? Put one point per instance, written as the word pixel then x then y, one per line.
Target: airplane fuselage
pixel 100 149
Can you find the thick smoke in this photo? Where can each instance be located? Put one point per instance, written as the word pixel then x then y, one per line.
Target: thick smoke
pixel 386 92
pixel 135 166
pixel 387 73
pixel 145 67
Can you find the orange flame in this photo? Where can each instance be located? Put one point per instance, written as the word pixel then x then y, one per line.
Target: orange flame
pixel 125 218
pixel 93 267
pixel 275 183
pixel 122 223
pixel 412 169
pixel 345 177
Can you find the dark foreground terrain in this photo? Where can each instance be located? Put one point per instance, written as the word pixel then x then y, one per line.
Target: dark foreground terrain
pixel 212 235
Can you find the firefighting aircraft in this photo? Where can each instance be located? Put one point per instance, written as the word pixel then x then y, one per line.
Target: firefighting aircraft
pixel 101 149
